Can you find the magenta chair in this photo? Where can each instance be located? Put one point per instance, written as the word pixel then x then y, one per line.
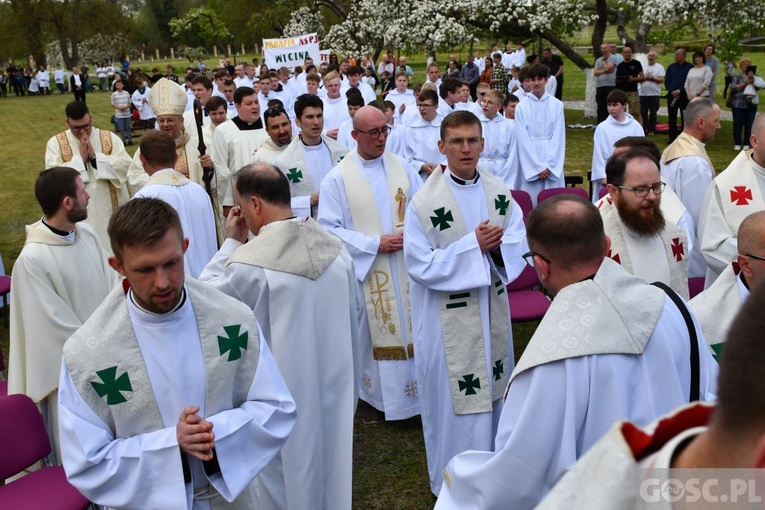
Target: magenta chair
pixel 526 304
pixel 695 286
pixel 523 200
pixel 3 383
pixel 23 441
pixel 547 193
pixel 603 192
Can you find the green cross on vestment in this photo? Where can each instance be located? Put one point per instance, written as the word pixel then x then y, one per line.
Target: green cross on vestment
pixel 112 386
pixel 501 203
pixel 499 369
pixel 469 384
pixel 233 342
pixel 294 175
pixel 442 218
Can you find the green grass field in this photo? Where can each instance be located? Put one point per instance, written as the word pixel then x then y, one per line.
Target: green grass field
pixel 389 458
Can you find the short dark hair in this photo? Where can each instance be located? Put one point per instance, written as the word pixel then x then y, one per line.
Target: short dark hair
pixel 228 82
pixel 158 148
pixel 510 98
pixel 617 96
pixel 220 73
pixel 266 182
pixel 459 118
pixel 141 222
pixel 215 102
pixel 449 85
pixel 275 103
pixel 76 110
pixel 53 185
pixel 640 142
pixel 305 101
pixel 698 53
pixel 429 95
pixel 273 112
pixel 616 166
pixel 241 93
pixel 353 70
pixel 566 235
pixel 354 99
pixel 387 105
pixel 204 80
pixel 538 71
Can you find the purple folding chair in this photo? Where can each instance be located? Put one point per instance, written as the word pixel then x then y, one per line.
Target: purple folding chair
pixel 23 441
pixel 523 200
pixel 3 383
pixel 547 193
pixel 695 286
pixel 5 290
pixel 603 192
pixel 526 304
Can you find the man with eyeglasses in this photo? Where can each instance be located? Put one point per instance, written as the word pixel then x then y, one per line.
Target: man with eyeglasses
pixel 363 202
pixel 735 193
pixel 310 156
pixel 718 305
pixel 101 159
pixel 422 135
pixel 642 241
pixel 279 129
pixel 610 347
pixel 463 241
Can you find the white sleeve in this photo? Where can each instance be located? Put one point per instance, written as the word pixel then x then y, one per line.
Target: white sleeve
pixel 216 275
pixel 556 146
pixel 222 170
pixel 718 244
pixel 527 152
pixel 694 175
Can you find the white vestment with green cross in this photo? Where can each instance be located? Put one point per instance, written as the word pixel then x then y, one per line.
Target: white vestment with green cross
pixel 460 380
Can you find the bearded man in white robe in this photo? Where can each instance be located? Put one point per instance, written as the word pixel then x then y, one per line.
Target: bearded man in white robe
pixel 610 347
pixel 299 281
pixel 60 277
pixel 279 130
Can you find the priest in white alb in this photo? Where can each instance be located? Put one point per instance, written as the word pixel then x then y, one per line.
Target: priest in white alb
pixel 463 241
pixel 309 157
pixel 279 130
pixel 59 278
pixel 610 347
pixel 100 157
pixel 299 281
pixel 374 237
pixel 169 396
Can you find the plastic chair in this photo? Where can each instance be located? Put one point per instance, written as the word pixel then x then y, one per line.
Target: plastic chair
pixel 695 286
pixel 23 441
pixel 523 199
pixel 3 382
pixel 526 304
pixel 603 192
pixel 5 291
pixel 547 193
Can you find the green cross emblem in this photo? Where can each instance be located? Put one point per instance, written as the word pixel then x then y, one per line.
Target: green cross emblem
pixel 112 386
pixel 501 203
pixel 295 175
pixel 233 342
pixel 469 384
pixel 442 218
pixel 499 369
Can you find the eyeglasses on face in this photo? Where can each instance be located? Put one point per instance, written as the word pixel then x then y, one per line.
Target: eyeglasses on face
pixel 642 191
pixel 376 133
pixel 459 142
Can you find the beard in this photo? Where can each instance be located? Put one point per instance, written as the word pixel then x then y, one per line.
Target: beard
pixel 77 215
pixel 635 220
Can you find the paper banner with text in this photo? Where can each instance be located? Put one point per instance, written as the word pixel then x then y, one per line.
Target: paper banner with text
pixel 291 51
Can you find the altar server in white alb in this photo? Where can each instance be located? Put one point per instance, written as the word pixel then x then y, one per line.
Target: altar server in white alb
pixel 735 193
pixel 374 237
pixel 59 278
pixel 101 159
pixel 618 124
pixel 299 281
pixel 188 198
pixel 310 156
pixel 422 133
pixel 335 109
pixel 541 133
pixel 610 347
pixel 498 140
pixel 463 243
pixel 169 394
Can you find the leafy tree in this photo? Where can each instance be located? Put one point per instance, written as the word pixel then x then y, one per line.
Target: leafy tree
pixel 200 25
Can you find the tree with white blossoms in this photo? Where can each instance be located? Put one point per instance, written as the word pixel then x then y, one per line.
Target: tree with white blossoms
pixel 305 20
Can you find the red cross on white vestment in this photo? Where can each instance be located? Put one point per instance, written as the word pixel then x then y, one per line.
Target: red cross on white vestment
pixel 614 257
pixel 677 249
pixel 741 195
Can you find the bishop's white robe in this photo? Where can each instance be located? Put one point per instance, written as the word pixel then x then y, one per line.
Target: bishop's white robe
pixel 134 462
pixel 390 385
pixel 398 98
pixel 335 113
pixel 233 148
pixel 685 166
pixel 540 130
pixel 498 155
pixel 57 283
pixel 561 400
pixel 193 205
pixel 309 314
pixel 458 267
pixel 106 183
pixel 421 139
pixel 606 135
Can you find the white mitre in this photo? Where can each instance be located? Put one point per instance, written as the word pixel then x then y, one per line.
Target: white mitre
pixel 168 98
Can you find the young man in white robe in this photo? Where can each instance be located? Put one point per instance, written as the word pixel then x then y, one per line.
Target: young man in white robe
pixel 624 352
pixel 464 102
pixel 335 108
pixel 498 139
pixel 422 134
pixel 719 303
pixel 188 198
pixel 279 130
pixel 169 394
pixel 395 142
pixel 618 125
pixel 713 451
pixel 374 237
pixel 463 241
pixel 140 100
pixel 541 133
pixel 59 278
pixel 354 75
pixel 735 193
pixel 354 101
pixel 291 269
pixel 402 96
pixel 236 141
pixel 642 241
pixel 101 159
pixel 309 157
